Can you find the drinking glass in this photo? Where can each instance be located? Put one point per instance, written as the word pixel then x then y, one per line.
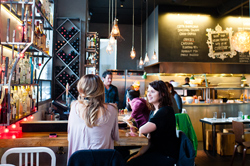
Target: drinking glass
pixel 215 116
pixel 223 116
pixel 240 114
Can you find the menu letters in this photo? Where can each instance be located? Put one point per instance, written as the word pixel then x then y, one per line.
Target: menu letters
pixel 221 42
pixel 187 32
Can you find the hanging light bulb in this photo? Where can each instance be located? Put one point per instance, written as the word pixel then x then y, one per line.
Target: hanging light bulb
pixel 146 60
pixel 154 56
pixel 115 30
pixel 141 62
pixel 132 53
pixel 109 49
pixel 112 39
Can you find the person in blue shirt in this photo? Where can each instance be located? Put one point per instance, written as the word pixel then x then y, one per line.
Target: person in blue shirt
pixel 111 91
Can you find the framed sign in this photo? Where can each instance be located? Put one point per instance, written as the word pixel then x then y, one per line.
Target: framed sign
pixel 219 43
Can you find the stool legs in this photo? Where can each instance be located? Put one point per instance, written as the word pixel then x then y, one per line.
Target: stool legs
pixel 235 149
pixel 244 155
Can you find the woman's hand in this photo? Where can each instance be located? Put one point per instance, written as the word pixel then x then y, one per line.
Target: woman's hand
pixel 134 156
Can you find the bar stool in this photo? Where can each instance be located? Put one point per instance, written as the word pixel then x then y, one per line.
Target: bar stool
pixel 238 129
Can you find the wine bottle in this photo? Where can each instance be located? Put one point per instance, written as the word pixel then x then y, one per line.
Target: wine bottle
pixel 28 101
pixel 12 105
pixel 3 70
pixel 20 102
pixel 31 70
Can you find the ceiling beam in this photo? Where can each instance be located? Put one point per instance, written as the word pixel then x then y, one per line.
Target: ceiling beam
pixel 230 6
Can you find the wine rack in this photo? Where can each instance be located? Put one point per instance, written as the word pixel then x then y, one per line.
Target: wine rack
pixel 67 50
pixel 92 53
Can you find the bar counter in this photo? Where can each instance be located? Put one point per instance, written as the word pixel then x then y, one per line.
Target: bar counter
pixel 42 139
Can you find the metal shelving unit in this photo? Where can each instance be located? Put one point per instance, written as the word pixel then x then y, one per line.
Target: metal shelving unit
pixel 92 53
pixel 22 48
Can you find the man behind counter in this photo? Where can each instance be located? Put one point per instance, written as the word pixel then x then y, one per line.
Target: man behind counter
pixel 189 92
pixel 111 91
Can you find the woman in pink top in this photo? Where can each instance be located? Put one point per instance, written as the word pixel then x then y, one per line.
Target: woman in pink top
pixel 92 123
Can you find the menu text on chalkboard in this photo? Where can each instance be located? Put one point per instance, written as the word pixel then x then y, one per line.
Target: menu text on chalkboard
pixel 219 43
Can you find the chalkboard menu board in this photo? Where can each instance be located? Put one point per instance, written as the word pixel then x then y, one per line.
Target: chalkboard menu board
pixel 184 38
pixel 221 42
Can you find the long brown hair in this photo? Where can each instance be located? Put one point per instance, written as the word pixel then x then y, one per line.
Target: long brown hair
pixel 91 95
pixel 171 88
pixel 165 99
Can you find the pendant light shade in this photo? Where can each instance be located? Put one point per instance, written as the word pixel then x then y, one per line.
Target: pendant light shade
pixel 154 56
pixel 241 41
pixel 115 30
pixel 112 40
pixel 132 53
pixel 141 62
pixel 146 60
pixel 109 49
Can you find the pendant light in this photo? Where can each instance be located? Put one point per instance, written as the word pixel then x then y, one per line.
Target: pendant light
pixel 146 60
pixel 241 40
pixel 112 40
pixel 115 30
pixel 132 52
pixel 109 48
pixel 154 57
pixel 141 61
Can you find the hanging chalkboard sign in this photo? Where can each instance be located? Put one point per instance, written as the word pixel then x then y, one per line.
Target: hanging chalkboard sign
pixel 219 43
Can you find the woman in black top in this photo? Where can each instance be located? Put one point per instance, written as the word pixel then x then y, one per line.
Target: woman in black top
pixel 163 146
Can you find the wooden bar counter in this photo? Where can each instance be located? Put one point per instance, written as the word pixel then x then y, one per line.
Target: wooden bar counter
pixel 28 139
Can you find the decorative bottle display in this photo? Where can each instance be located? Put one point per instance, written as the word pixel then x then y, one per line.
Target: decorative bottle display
pixel 18 96
pixel 37 35
pixel 21 101
pixel 92 53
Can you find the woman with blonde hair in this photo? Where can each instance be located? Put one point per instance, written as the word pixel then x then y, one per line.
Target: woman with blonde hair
pixel 92 123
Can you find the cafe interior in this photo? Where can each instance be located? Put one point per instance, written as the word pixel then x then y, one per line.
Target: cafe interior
pixel 168 40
